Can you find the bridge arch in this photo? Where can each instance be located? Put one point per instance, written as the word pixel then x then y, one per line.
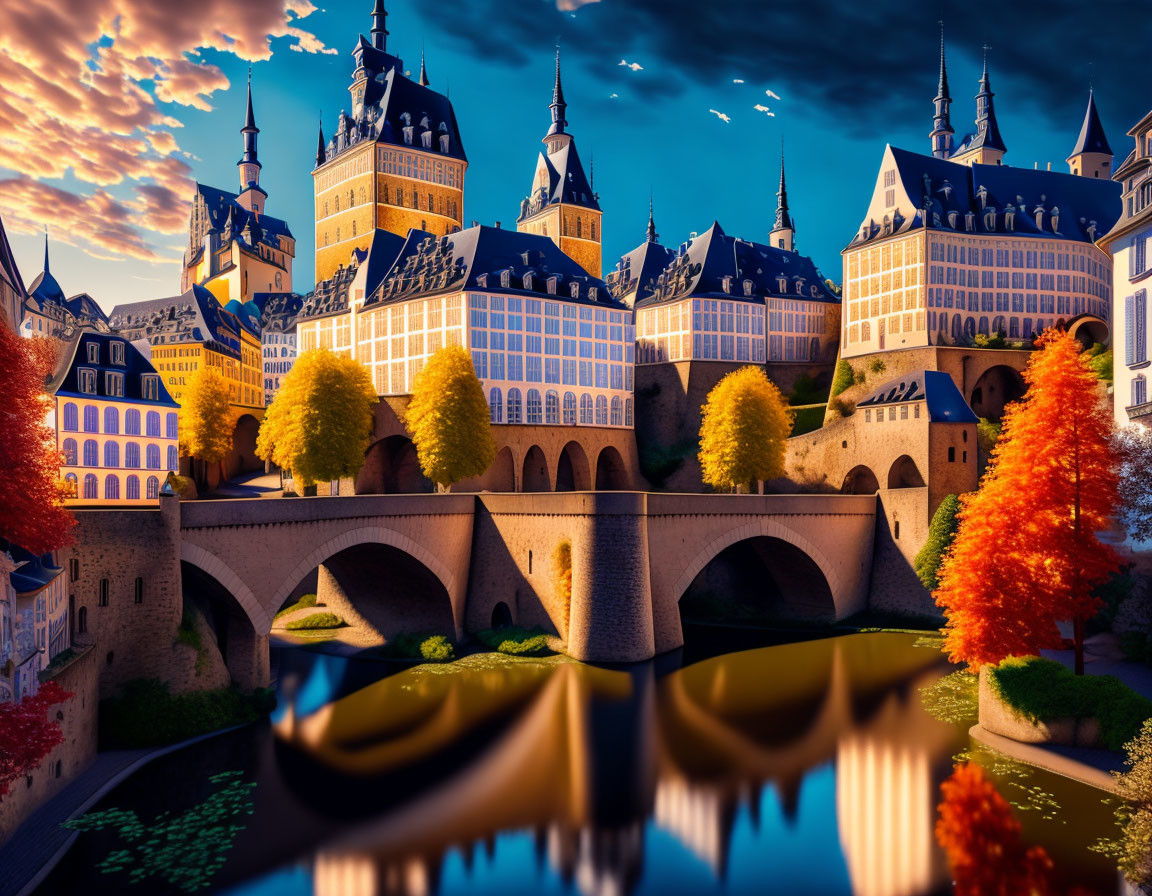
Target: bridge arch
pixel 258 615
pixel 860 481
pixel 764 528
pixel 904 473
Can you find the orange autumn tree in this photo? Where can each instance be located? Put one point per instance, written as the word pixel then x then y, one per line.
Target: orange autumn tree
pixel 1026 555
pixel 32 511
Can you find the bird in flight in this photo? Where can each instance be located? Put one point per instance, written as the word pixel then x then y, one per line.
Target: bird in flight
pixel 760 107
pixel 635 66
pixel 773 95
pixel 724 118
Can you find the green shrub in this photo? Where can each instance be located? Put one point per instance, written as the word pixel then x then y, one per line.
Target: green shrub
pixel 418 646
pixel 983 340
pixel 844 377
pixel 147 714
pixel 315 621
pixel 437 649
pixel 806 391
pixel 840 407
pixel 1101 365
pixel 877 366
pixel 941 532
pixel 658 462
pixel 987 434
pixel 808 418
pixel 516 641
pixel 1044 690
pixel 308 600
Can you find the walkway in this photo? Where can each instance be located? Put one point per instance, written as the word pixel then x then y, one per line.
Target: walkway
pixel 40 842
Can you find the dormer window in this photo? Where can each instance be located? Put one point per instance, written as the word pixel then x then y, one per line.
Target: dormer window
pixel 953 219
pixel 93 352
pixel 150 387
pixel 506 279
pixel 982 195
pixel 782 284
pixel 593 293
pixel 748 287
pixel 1055 219
pixel 969 221
pixel 117 349
pixel 114 384
pixel 726 284
pixel 408 135
pixel 815 291
pixel 1009 218
pixel 551 284
pixel 445 143
pixel 527 280
pixel 799 287
pixel 574 289
pixel 86 380
pixel 990 220
pixel 426 139
pixel 482 281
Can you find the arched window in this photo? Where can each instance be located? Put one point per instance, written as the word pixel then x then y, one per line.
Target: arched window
pixel 171 426
pixel 71 485
pixel 154 424
pixel 153 457
pixel 111 421
pixel 617 411
pixel 552 407
pixel 82 621
pixel 132 488
pixel 1014 328
pixel 569 408
pixel 586 409
pixel 865 331
pixel 535 409
pixel 111 455
pixel 601 410
pixel 71 418
pixel 132 422
pixel 70 452
pixel 579 228
pixel 91 418
pixel 91 453
pixel 628 417
pixel 496 405
pixel 111 488
pixel 514 406
pixel 90 486
pixel 173 459
pixel 132 456
pixel 153 488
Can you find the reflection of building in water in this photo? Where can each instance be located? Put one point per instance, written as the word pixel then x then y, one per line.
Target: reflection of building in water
pixel 699 816
pixel 601 861
pixel 337 874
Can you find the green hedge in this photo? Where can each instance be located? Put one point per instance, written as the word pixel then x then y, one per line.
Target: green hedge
pixel 308 600
pixel 147 714
pixel 844 378
pixel 516 641
pixel 315 621
pixel 418 646
pixel 1044 690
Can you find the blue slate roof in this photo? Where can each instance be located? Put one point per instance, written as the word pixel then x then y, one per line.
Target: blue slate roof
pixel 84 307
pixel 331 296
pixel 483 258
pixel 278 310
pixel 713 261
pixel 636 272
pixel 1092 138
pixel 193 317
pixel 234 222
pixel 64 380
pixel 939 187
pixel 945 402
pixel 33 573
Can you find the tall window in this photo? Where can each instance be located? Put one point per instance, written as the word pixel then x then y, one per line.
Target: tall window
pixel 71 418
pixel 601 410
pixel 138 591
pixel 569 408
pixel 172 424
pixel 1139 391
pixel 552 407
pixel 496 405
pixel 153 457
pixel 91 453
pixel 153 488
pixel 586 409
pixel 617 411
pixel 535 409
pixel 514 406
pixel 132 488
pixel 132 456
pixel 70 452
pixel 102 601
pixel 154 424
pixel 91 419
pixel 173 459
pixel 111 488
pixel 111 421
pixel 132 422
pixel 82 621
pixel 111 455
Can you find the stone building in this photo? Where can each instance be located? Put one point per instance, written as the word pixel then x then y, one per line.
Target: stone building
pixel 278 312
pixel 563 205
pixel 1127 242
pixel 115 422
pixel 396 163
pixel 48 312
pixel 34 621
pixel 234 248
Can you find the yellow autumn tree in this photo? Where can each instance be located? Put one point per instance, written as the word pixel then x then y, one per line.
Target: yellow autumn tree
pixel 746 421
pixel 319 425
pixel 448 419
pixel 206 420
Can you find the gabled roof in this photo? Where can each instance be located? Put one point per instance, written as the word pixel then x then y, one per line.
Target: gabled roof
pixel 278 310
pixel 378 258
pixel 227 216
pixel 715 265
pixel 64 380
pixel 33 572
pixel 481 258
pixel 86 308
pixel 45 290
pixel 192 317
pixel 635 274
pixel 945 402
pixel 330 297
pixel 1092 137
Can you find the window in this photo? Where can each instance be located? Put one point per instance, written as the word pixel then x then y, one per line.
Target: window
pixel 86 379
pixel 70 452
pixel 171 426
pixel 153 456
pixel 132 456
pixel 132 487
pixel 586 409
pixel 1139 391
pixel 951 455
pixel 82 621
pixel 153 421
pixel 132 422
pixel 173 459
pixel 71 418
pixel 102 601
pixel 91 419
pixel 91 453
pixel 153 488
pixel 514 406
pixel 114 384
pixel 628 415
pixel 601 410
pixel 138 591
pixel 496 405
pixel 569 408
pixel 93 352
pixel 111 421
pixel 117 349
pixel 111 455
pixel 111 488
pixel 535 409
pixel 617 411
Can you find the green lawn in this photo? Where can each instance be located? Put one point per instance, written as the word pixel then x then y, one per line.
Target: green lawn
pixel 809 417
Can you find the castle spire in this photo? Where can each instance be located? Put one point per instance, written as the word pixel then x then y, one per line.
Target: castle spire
pixel 45 250
pixel 251 195
pixel 1092 156
pixel 423 70
pixel 783 234
pixel 558 106
pixel 987 131
pixel 379 27
pixel 321 154
pixel 942 132
pixel 652 236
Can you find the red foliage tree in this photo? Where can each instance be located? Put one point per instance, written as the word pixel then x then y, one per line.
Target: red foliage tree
pixel 1026 555
pixel 982 838
pixel 27 735
pixel 32 511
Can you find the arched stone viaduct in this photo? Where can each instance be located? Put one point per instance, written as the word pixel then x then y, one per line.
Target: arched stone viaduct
pixel 633 554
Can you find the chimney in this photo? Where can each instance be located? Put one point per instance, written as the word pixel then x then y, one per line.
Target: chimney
pixel 497 225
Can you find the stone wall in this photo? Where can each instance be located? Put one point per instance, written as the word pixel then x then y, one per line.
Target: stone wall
pixel 77 719
pixel 901 530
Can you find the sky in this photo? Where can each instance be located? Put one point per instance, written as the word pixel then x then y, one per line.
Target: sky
pixel 110 110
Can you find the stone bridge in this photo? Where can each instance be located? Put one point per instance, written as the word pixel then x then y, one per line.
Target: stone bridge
pixel 448 562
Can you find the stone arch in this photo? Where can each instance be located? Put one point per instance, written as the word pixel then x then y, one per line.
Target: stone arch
pixel 501 475
pixel 572 474
pixel 904 473
pixel 1088 329
pixel 611 474
pixel 996 387
pixel 391 467
pixel 501 615
pixel 258 615
pixel 762 528
pixel 244 435
pixel 535 472
pixel 860 481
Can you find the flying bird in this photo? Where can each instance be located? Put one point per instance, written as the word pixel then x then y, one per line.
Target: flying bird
pixel 614 96
pixel 772 94
pixel 635 66
pixel 724 118
pixel 737 80
pixel 762 108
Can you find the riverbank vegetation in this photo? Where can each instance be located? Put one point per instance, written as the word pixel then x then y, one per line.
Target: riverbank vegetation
pixel 305 602
pixel 316 622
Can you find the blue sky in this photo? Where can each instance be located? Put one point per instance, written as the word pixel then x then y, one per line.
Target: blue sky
pixel 845 89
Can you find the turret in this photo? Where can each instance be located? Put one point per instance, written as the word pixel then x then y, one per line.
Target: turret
pixel 321 153
pixel 986 146
pixel 783 235
pixel 379 28
pixel 651 236
pixel 423 71
pixel 1092 156
pixel 941 124
pixel 251 195
pixel 559 109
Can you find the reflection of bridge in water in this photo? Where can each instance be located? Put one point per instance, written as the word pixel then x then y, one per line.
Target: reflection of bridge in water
pixel 584 756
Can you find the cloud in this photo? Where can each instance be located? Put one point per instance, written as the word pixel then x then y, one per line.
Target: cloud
pixel 614 96
pixel 864 66
pixel 635 66
pixel 737 80
pixel 724 118
pixel 772 94
pixel 85 85
pixel 759 107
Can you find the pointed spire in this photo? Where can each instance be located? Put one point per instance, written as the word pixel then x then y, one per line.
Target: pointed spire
pixel 379 31
pixel 783 228
pixel 942 87
pixel 942 132
pixel 652 236
pixel 423 70
pixel 987 130
pixel 1092 138
pixel 45 250
pixel 321 154
pixel 558 106
pixel 250 118
pixel 592 172
pixel 249 131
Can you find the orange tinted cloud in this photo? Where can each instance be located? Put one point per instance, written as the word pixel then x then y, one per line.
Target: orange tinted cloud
pixel 74 102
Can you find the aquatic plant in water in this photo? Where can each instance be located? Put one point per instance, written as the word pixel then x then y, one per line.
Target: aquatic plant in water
pixel 184 850
pixel 952 699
